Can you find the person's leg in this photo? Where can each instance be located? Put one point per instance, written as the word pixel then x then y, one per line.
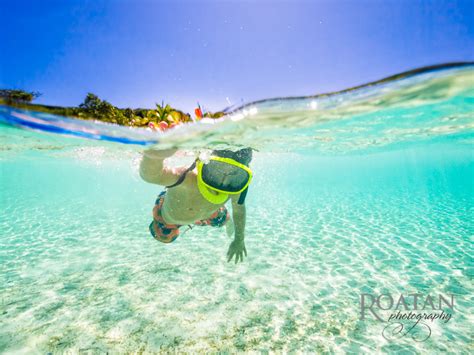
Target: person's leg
pixel 165 233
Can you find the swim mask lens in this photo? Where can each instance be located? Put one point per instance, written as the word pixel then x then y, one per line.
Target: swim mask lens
pixel 225 175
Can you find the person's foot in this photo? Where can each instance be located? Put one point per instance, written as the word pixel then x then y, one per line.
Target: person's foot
pixel 229 227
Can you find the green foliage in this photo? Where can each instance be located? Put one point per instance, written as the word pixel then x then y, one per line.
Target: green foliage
pixel 214 115
pixel 141 112
pixel 95 108
pixel 20 96
pixel 163 112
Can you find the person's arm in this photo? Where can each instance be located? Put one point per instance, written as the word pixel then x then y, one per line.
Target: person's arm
pixel 239 215
pixel 153 170
pixel 237 247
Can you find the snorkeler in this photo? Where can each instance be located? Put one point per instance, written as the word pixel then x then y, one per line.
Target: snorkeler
pixel 196 195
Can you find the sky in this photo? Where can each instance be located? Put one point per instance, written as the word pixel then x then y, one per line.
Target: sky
pixel 135 53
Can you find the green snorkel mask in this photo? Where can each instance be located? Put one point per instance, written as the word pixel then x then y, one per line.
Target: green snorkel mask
pixel 220 177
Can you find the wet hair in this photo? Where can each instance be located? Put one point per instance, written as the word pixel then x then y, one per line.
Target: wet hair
pixel 243 156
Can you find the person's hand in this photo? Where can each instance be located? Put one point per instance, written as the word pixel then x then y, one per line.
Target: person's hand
pixel 237 249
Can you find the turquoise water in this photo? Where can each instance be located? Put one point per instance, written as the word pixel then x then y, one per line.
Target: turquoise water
pixel 366 192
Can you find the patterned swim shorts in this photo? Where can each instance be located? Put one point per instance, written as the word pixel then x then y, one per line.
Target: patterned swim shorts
pixel 168 233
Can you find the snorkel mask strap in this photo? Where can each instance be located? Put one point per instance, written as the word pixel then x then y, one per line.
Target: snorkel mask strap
pixel 183 175
pixel 242 196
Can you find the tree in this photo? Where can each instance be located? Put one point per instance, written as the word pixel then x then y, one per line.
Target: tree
pixel 214 115
pixel 12 96
pixel 94 107
pixel 163 111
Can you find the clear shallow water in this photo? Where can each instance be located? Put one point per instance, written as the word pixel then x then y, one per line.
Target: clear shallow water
pixel 327 220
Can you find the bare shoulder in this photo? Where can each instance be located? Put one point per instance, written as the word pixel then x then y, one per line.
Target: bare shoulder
pixel 191 178
pixel 178 171
pixel 169 175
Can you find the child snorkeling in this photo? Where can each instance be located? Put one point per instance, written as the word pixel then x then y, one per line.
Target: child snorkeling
pixel 197 195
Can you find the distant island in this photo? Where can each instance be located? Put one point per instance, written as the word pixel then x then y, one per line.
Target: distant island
pixel 93 108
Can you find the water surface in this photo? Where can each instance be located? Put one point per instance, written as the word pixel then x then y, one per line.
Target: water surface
pixel 368 191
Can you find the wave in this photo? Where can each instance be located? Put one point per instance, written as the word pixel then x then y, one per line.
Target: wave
pixel 428 103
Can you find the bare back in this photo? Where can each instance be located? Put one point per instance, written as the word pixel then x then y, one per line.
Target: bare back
pixel 184 204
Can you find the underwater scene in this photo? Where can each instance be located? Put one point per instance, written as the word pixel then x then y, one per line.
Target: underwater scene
pixel 359 229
